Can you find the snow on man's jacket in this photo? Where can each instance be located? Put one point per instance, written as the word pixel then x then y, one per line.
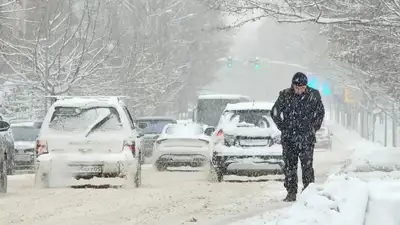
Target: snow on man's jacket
pixel 302 114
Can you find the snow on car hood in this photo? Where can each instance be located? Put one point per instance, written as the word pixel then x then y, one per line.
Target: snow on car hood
pixel 250 130
pixel 24 144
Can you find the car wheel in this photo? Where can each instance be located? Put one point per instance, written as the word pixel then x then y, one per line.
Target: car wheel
pixel 3 177
pixel 220 176
pixel 138 174
pixel 11 166
pixel 161 166
pixel 42 179
pixel 215 174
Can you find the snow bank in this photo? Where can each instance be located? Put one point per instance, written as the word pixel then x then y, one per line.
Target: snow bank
pixel 379 167
pixel 340 201
pixel 369 157
pixel 384 202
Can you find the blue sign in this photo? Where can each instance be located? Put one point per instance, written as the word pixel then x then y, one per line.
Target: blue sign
pixel 326 91
pixel 313 83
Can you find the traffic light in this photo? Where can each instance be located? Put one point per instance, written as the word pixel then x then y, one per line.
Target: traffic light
pixel 257 63
pixel 230 62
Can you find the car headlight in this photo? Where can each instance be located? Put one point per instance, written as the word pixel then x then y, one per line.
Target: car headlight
pixel 229 140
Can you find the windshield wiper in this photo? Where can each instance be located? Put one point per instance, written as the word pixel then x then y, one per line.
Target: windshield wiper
pixel 97 123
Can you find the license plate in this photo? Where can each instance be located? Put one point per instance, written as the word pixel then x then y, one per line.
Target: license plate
pixel 89 169
pixel 183 158
pixel 254 142
pixel 24 157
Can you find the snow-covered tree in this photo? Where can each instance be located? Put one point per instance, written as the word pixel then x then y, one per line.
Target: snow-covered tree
pixel 156 51
pixel 363 34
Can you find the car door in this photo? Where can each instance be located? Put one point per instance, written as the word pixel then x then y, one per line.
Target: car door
pixel 134 132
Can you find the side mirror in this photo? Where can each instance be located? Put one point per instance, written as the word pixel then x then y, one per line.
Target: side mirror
pixel 140 134
pixel 209 130
pixel 4 126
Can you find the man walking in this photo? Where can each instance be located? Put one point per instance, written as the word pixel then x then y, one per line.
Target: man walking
pixel 303 113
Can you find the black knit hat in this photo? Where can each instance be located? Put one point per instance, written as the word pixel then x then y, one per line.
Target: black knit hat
pixel 299 79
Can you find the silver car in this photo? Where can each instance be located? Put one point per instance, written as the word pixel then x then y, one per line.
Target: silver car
pixel 323 137
pixel 4 146
pixel 25 134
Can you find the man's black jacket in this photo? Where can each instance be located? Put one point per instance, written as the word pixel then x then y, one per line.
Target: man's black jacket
pixel 302 114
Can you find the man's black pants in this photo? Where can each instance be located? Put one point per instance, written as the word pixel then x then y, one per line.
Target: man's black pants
pixel 291 152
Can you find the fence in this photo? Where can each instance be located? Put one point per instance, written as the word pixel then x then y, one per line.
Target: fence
pixel 364 117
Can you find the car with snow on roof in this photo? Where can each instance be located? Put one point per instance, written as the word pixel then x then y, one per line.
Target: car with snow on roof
pixel 323 138
pixel 182 145
pixel 8 143
pixel 4 130
pixel 25 134
pixel 86 137
pixel 246 142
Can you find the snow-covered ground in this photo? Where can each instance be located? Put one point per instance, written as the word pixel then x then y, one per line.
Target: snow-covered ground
pixel 168 198
pixel 365 190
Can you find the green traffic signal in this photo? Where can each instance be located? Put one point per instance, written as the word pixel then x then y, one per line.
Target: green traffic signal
pixel 257 66
pixel 230 63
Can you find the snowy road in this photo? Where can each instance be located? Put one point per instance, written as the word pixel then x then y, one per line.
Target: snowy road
pixel 167 198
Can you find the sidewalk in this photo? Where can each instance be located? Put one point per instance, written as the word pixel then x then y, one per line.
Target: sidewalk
pixel 364 191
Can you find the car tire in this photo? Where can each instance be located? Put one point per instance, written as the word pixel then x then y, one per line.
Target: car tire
pixel 41 180
pixel 11 166
pixel 138 174
pixel 3 177
pixel 160 166
pixel 215 174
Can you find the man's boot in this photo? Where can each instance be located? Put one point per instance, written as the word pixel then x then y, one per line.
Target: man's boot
pixel 290 197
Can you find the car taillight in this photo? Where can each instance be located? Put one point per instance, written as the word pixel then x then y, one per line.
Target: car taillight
pixel 132 148
pixel 41 147
pixel 220 133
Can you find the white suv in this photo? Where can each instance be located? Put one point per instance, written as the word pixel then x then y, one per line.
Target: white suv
pixel 86 137
pixel 246 142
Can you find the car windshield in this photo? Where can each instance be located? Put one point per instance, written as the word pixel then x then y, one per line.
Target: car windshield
pixel 184 129
pixel 72 119
pixel 153 126
pixel 260 118
pixel 24 133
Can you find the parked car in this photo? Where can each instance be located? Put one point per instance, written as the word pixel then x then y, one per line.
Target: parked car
pixel 4 145
pixel 246 142
pixel 151 127
pixel 8 142
pixel 324 140
pixel 182 145
pixel 25 134
pixel 89 137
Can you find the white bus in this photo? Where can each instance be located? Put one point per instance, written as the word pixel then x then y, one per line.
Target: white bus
pixel 210 107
